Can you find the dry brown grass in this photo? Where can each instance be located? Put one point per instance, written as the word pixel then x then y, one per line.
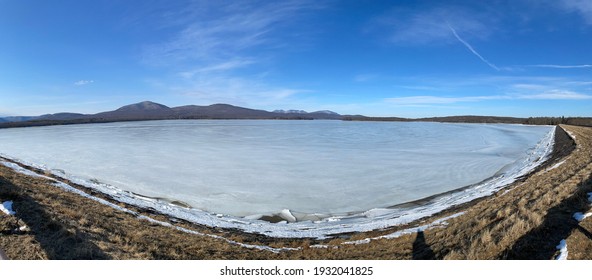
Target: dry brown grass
pixel 530 220
pixel 526 223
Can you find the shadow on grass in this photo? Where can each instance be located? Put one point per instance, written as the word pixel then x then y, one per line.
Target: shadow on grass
pixel 57 239
pixel 540 243
pixel 421 250
pixel 585 232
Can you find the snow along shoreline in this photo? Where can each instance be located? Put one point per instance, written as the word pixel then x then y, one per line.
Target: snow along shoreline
pixel 358 222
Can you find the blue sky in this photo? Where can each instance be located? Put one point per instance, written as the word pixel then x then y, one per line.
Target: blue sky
pixel 378 58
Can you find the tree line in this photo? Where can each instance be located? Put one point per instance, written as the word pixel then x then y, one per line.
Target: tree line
pixel 560 120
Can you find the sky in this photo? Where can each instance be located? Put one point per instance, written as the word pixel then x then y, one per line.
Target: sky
pixel 516 58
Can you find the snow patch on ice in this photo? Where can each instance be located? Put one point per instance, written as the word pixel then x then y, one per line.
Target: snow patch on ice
pixel 6 208
pixel 287 215
pixel 562 247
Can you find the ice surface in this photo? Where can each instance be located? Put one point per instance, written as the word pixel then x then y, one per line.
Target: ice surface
pixel 562 247
pixel 340 176
pixel 6 208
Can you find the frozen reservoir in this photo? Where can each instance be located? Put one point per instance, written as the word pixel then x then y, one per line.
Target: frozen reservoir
pixel 253 168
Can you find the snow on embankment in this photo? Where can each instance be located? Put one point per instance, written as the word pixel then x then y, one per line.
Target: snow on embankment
pixel 6 208
pixel 354 222
pixel 579 216
pixel 562 247
pixel 555 165
pixel 437 223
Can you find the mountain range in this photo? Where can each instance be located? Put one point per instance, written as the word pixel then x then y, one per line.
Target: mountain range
pixel 148 110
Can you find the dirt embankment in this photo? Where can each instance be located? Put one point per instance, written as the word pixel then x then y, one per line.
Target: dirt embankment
pixel 524 221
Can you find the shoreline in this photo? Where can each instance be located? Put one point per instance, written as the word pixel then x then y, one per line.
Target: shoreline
pixel 303 225
pixel 337 247
pixel 561 147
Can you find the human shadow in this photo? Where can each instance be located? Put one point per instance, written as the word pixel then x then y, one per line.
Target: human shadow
pixel 421 250
pixel 540 243
pixel 585 232
pixel 58 240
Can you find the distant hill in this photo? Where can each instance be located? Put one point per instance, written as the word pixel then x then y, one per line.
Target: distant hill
pixel 15 119
pixel 140 111
pixel 221 111
pixel 325 115
pixel 290 112
pixel 374 119
pixel 148 110
pixel 451 119
pixel 581 121
pixel 474 119
pixel 60 116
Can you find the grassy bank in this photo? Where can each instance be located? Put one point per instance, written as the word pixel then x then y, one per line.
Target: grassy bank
pixel 524 221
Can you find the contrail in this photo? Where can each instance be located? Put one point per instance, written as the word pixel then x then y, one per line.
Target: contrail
pixel 472 50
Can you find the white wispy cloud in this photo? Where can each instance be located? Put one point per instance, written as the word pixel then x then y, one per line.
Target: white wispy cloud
pixel 218 67
pixel 494 87
pixel 227 30
pixel 529 87
pixel 214 41
pixel 208 89
pixel 360 78
pixel 427 99
pixel 579 83
pixel 429 26
pixel 83 82
pixel 424 88
pixel 552 89
pixel 556 95
pixel 431 100
pixel 582 7
pixel 472 49
pixel 561 66
pixel 502 83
